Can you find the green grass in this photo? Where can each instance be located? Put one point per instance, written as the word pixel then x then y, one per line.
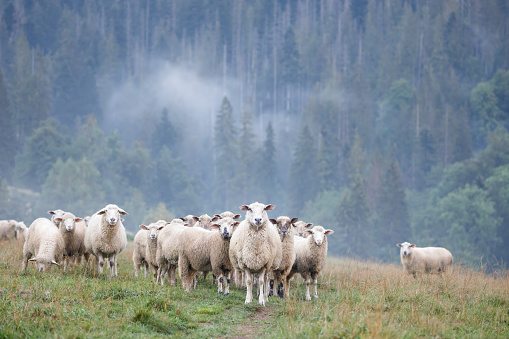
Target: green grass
pixel 356 299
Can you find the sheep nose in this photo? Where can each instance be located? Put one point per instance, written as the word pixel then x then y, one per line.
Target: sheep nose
pixel 404 253
pixel 112 220
pixel 258 220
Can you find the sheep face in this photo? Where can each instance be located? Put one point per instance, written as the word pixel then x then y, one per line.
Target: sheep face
pixel 111 213
pixel 205 221
pixel 87 220
pixel 256 213
pixel 319 233
pixel 41 264
pixel 68 222
pixel 153 229
pixel 56 214
pixel 190 219
pixel 225 226
pixel 300 227
pixel 228 214
pixel 406 248
pixel 284 225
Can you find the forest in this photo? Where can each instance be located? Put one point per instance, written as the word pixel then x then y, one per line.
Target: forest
pixel 384 120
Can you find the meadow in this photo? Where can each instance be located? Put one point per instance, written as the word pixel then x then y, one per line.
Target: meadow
pixel 357 299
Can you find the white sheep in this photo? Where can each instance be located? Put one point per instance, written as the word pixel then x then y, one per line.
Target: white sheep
pixel 310 255
pixel 151 247
pixel 190 220
pixel 255 247
pixel 21 231
pixel 228 214
pixel 424 259
pixel 7 229
pixel 44 245
pixel 139 252
pixel 286 229
pixel 167 250
pixel 301 227
pixel 204 221
pixel 74 239
pixel 105 237
pixel 202 250
pixel 56 214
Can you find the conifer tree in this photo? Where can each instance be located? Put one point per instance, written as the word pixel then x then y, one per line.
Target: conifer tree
pixel 8 144
pixel 328 160
pixel 164 134
pixel 244 182
pixel 267 172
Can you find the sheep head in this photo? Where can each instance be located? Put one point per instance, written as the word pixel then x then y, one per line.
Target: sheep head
pixel 285 225
pixel 319 234
pixel 153 229
pixel 111 213
pixel 406 248
pixel 256 213
pixel 68 221
pixel 41 263
pixel 225 226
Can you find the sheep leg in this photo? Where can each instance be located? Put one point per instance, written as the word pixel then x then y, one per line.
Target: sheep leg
pixel 100 263
pixel 186 273
pixel 308 281
pixel 26 256
pixel 113 266
pixel 227 275
pixel 136 269
pixel 261 282
pixel 249 284
pixel 220 284
pixel 315 282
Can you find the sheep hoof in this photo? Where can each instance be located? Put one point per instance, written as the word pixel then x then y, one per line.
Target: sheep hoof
pixel 226 294
pixel 220 292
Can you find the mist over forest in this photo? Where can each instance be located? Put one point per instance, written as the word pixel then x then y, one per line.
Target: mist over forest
pixel 384 120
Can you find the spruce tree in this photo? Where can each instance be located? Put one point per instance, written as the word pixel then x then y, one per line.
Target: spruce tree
pixel 267 172
pixel 164 134
pixel 244 182
pixel 328 160
pixel 8 144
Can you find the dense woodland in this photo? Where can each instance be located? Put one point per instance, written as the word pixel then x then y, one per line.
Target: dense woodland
pixel 385 120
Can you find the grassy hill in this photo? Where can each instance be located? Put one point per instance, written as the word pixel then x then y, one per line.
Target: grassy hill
pixel 356 299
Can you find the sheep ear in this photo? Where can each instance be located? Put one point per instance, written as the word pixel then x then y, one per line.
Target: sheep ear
pixel 294 220
pixel 183 219
pixel 78 219
pixel 273 221
pixel 33 259
pixel 143 227
pixel 186 224
pixel 399 245
pixel 55 263
pixel 161 227
pixel 121 211
pixel 51 212
pixel 101 212
pixel 195 218
pixel 308 231
pixel 237 223
pixel 329 232
pixel 309 225
pixel 413 245
pixel 217 215
pixel 236 216
pixel 244 207
pixel 214 226
pixel 58 219
pixel 216 218
pixel 167 223
pixel 270 207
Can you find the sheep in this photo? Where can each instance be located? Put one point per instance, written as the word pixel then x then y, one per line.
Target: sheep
pixel 424 259
pixel 204 221
pixel 190 219
pixel 21 231
pixel 87 220
pixel 56 214
pixel 105 237
pixel 255 247
pixel 167 250
pixel 300 227
pixel 151 247
pixel 286 229
pixel 202 250
pixel 227 214
pixel 81 230
pixel 139 252
pixel 310 255
pixel 73 238
pixel 7 229
pixel 44 245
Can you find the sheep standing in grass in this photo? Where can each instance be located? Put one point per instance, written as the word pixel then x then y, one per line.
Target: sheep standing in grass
pixel 105 237
pixel 139 252
pixel 286 229
pixel 167 253
pixel 151 248
pixel 310 255
pixel 301 227
pixel 44 245
pixel 74 240
pixel 202 250
pixel 56 214
pixel 255 247
pixel 21 231
pixel 424 259
pixel 7 229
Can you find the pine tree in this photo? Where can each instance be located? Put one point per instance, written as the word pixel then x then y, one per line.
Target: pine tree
pixel 303 184
pixel 164 135
pixel 267 172
pixel 244 182
pixel 8 143
pixel 226 149
pixel 328 160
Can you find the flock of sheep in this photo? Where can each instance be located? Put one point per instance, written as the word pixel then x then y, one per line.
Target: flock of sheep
pixel 267 251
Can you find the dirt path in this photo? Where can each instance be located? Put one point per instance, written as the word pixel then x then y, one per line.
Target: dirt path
pixel 252 328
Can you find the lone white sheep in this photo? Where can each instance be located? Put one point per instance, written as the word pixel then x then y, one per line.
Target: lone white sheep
pixel 151 248
pixel 255 247
pixel 44 245
pixel 424 259
pixel 74 239
pixel 310 255
pixel 286 229
pixel 105 237
pixel 202 250
pixel 167 253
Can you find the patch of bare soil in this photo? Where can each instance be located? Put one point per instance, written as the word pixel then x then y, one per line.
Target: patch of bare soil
pixel 252 328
